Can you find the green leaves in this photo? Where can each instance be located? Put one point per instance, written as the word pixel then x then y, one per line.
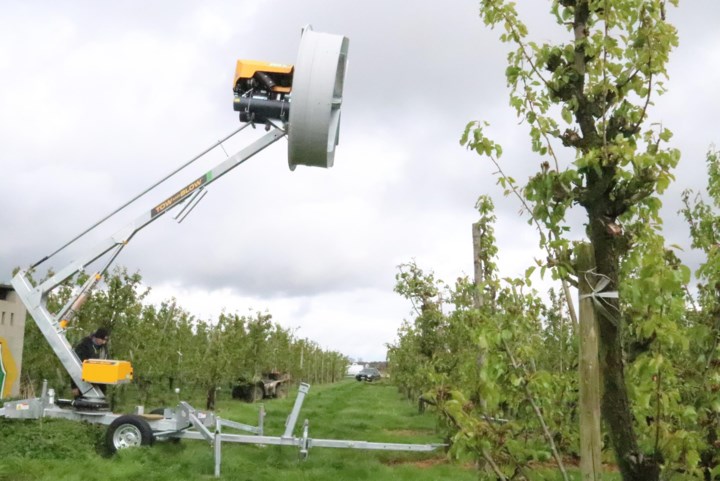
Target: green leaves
pixel 481 362
pixel 567 115
pixel 170 347
pixel 600 84
pixel 474 138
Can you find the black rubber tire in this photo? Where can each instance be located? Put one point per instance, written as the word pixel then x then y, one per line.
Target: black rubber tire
pixel 237 392
pixel 257 394
pixel 128 431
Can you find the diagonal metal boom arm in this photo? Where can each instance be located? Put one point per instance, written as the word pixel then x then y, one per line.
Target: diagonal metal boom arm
pixel 35 297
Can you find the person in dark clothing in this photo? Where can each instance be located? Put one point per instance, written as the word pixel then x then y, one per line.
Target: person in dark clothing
pixel 93 346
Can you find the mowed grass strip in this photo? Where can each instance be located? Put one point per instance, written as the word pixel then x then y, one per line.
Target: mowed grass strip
pixel 63 450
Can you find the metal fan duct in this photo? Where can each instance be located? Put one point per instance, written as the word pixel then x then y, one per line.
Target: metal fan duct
pixel 314 121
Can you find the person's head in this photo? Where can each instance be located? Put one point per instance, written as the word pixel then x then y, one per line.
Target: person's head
pixel 101 336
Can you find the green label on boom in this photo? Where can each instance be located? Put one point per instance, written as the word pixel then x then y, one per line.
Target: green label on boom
pixel 180 195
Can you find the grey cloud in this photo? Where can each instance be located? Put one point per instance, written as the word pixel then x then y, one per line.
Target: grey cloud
pixel 99 100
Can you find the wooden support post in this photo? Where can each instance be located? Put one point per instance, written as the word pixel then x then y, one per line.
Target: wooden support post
pixel 589 368
pixel 478 297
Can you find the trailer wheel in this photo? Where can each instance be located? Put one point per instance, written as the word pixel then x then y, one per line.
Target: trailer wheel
pixel 128 431
pixel 257 394
pixel 238 392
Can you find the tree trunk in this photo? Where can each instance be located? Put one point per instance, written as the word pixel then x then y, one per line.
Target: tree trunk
pixel 615 403
pixel 598 202
pixel 210 403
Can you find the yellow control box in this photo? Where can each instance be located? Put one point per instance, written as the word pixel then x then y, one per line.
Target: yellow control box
pixel 280 74
pixel 106 371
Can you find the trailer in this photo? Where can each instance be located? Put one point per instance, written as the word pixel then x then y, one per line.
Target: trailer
pixel 262 94
pixel 185 422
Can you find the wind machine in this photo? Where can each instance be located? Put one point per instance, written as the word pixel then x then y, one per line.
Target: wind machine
pixel 300 102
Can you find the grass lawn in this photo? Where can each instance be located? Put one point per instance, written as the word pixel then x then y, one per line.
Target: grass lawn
pixel 54 449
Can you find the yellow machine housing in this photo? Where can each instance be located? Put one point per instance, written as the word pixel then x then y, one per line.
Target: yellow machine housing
pixel 106 371
pixel 280 75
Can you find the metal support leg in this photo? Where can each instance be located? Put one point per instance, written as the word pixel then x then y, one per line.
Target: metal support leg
pixel 292 419
pixel 304 441
pixel 218 449
pixel 44 396
pixel 261 423
pixel 261 420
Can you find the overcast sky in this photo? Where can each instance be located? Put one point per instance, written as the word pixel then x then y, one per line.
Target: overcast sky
pixel 101 99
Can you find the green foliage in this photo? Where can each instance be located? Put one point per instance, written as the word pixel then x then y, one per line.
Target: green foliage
pixel 591 94
pixel 699 370
pixel 489 362
pixel 496 357
pixel 169 348
pixel 601 82
pixel 49 439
